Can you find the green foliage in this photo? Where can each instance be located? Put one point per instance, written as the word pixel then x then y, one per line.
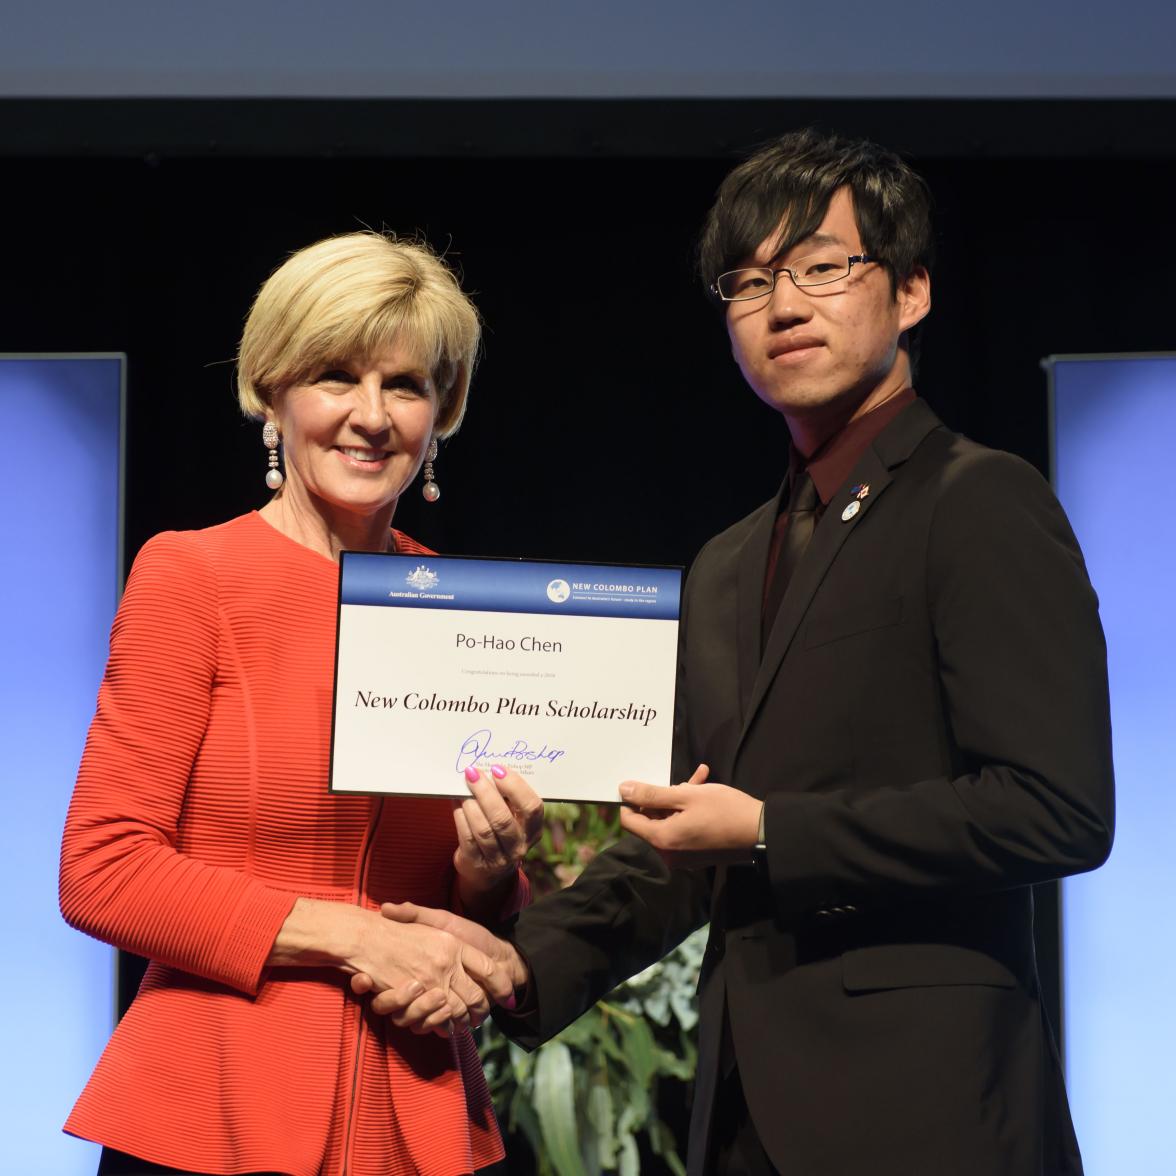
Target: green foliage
pixel 573 835
pixel 583 1099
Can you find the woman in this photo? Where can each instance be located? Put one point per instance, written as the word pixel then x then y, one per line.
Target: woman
pixel 201 833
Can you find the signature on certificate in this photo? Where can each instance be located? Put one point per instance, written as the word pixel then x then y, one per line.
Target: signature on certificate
pixel 477 747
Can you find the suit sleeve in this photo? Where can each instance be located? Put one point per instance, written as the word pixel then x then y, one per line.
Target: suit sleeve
pixel 625 912
pixel 1022 668
pixel 122 878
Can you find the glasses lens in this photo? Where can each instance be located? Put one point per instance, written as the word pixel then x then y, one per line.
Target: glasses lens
pixel 818 268
pixel 735 285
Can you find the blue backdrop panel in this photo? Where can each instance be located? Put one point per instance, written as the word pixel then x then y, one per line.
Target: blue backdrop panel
pixel 1114 428
pixel 60 537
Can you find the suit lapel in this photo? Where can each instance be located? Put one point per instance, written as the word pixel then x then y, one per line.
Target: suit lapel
pixel 751 567
pixel 891 448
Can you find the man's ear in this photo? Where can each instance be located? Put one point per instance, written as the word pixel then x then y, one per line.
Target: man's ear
pixel 913 297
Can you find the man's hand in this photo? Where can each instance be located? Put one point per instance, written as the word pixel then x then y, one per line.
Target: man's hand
pixel 693 824
pixel 410 1004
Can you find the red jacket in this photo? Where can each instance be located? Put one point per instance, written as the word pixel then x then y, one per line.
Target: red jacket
pixel 201 813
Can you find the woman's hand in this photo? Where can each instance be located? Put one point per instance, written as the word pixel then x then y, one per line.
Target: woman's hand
pixel 437 980
pixel 496 826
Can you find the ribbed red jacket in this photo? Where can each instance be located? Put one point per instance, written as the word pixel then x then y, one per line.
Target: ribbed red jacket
pixel 201 813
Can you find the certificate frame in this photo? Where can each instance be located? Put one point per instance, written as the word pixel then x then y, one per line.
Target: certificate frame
pixel 576 749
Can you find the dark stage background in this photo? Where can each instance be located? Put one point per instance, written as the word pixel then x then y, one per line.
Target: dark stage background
pixel 607 420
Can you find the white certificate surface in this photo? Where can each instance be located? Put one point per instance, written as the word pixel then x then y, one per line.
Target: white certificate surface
pixel 563 672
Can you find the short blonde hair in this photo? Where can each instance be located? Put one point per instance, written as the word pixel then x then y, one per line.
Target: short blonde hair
pixel 350 296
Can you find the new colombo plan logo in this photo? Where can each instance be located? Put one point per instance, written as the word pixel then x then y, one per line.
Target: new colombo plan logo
pixel 422 579
pixel 558 591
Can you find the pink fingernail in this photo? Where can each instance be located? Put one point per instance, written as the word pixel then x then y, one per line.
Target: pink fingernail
pixel 499 772
pixel 509 1002
pixel 472 773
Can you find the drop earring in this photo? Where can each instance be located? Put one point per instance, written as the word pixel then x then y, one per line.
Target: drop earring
pixel 270 439
pixel 430 490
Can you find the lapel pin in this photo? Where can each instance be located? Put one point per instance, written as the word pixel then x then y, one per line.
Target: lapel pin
pixel 859 493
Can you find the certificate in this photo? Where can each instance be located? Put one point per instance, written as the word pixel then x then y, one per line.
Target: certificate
pixel 563 672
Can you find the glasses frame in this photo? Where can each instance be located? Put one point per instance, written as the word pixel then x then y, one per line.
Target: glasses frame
pixel 776 270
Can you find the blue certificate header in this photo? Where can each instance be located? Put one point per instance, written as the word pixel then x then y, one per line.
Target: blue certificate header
pixel 510 586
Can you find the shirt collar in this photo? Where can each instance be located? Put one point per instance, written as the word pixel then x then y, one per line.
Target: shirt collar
pixel 834 461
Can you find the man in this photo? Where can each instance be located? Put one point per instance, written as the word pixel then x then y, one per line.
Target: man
pixel 896 674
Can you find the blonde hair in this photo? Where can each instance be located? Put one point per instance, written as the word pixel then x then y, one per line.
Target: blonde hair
pixel 351 296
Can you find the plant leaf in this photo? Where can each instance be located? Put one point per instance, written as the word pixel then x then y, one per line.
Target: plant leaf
pixel 630 1164
pixel 664 1146
pixel 657 1006
pixel 556 1106
pixel 523 1117
pixel 685 1006
pixel 603 1123
pixel 637 1042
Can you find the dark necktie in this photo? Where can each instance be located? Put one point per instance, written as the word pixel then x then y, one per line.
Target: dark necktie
pixel 802 507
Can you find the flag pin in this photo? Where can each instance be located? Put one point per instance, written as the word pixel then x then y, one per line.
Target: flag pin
pixel 859 492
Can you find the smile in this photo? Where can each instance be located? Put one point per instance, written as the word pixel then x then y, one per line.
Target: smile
pixel 369 459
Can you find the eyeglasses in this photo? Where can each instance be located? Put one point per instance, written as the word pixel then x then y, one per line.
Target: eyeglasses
pixel 815 269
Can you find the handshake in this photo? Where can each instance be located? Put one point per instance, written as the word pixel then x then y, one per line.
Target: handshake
pixel 433 971
pixel 444 971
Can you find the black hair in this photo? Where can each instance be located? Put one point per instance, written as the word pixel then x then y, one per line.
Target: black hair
pixel 786 186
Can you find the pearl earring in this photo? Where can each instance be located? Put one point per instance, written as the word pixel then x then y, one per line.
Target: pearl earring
pixel 270 439
pixel 430 490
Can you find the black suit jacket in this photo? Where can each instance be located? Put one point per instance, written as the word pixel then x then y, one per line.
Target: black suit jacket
pixel 929 729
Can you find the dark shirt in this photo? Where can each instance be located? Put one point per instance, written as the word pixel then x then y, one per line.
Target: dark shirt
pixel 830 467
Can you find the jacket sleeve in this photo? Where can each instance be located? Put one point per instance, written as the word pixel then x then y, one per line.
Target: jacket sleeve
pixel 1023 678
pixel 518 898
pixel 625 912
pixel 122 878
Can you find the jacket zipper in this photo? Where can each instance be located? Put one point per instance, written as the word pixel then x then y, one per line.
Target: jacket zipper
pixel 361 1033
